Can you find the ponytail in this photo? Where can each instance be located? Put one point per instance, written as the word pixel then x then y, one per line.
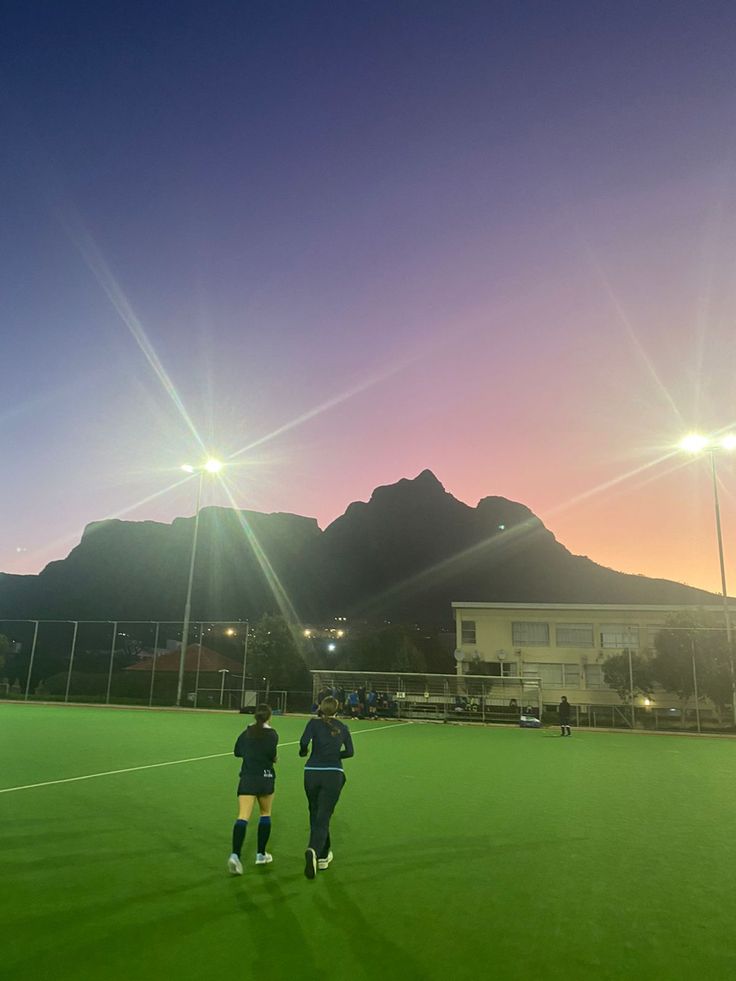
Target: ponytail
pixel 327 710
pixel 262 715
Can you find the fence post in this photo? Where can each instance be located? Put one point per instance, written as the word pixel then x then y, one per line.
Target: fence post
pixel 199 660
pixel 33 654
pixel 71 660
pixel 631 689
pixel 245 660
pixel 155 658
pixel 695 687
pixel 112 656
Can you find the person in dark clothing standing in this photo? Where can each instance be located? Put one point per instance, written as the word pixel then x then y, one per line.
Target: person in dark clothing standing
pixel 565 711
pixel 256 746
pixel 324 779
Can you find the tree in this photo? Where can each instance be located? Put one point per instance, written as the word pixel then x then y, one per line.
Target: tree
pixel 392 648
pixel 697 639
pixel 274 652
pixel 4 648
pixel 675 647
pixel 616 674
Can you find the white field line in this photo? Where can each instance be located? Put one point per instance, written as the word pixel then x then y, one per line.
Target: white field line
pixel 152 766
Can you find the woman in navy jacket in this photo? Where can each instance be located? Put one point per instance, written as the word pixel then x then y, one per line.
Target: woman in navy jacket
pixel 324 779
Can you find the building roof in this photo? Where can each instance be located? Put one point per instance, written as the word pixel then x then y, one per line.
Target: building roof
pixel 643 607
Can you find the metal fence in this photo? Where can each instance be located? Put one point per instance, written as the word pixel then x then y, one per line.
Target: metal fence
pixel 119 662
pixel 488 699
pixel 124 663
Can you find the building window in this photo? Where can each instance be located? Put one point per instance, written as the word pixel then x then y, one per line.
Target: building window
pixel 620 636
pixel 530 634
pixel 467 631
pixel 553 675
pixel 574 635
pixel 548 674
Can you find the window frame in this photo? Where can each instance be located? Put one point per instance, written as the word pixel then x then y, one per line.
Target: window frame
pixel 516 642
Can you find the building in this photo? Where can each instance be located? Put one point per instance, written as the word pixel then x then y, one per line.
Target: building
pixel 561 646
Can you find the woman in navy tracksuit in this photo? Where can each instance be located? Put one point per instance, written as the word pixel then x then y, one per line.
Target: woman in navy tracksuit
pixel 257 747
pixel 324 779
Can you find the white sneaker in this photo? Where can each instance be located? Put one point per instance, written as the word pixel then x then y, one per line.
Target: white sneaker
pixel 263 858
pixel 322 863
pixel 234 865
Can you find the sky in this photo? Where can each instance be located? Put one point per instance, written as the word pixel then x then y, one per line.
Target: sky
pixel 334 244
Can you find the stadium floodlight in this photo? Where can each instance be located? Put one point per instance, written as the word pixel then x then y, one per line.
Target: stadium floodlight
pixel 694 443
pixel 211 466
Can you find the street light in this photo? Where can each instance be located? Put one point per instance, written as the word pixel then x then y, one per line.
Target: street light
pixel 696 443
pixel 210 466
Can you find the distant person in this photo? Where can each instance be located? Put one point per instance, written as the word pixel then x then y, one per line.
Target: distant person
pixel 564 711
pixel 461 704
pixel 353 704
pixel 324 779
pixel 256 746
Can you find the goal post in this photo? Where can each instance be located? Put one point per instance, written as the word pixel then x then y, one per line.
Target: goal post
pixel 236 699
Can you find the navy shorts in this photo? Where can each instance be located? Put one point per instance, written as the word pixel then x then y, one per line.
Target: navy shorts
pixel 259 784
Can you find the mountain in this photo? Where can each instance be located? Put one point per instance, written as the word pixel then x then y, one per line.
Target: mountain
pixel 405 555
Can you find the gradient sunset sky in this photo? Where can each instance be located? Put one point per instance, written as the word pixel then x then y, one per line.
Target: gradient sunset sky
pixel 337 243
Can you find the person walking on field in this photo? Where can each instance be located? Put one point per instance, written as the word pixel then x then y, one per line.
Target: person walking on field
pixel 324 779
pixel 565 711
pixel 256 746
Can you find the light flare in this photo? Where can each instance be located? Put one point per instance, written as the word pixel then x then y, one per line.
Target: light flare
pixel 99 268
pixel 329 404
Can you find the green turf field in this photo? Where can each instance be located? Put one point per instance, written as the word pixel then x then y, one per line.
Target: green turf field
pixel 460 852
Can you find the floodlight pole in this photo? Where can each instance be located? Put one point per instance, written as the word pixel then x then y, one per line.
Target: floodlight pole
pixel 726 611
pixel 188 604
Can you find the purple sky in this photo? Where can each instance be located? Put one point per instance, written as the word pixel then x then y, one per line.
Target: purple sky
pixel 357 240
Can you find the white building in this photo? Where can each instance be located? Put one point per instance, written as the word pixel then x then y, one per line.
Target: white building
pixel 561 645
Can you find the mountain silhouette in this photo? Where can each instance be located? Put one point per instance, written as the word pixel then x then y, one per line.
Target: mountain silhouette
pixel 405 555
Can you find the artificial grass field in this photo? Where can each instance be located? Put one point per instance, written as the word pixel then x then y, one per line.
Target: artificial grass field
pixel 460 852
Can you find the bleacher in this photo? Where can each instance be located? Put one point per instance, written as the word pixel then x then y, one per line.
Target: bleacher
pixel 466 698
